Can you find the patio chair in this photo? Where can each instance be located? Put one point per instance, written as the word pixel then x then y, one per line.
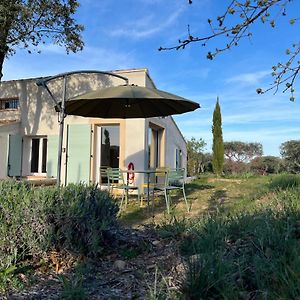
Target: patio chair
pixel 174 180
pixel 155 178
pixel 103 179
pixel 116 181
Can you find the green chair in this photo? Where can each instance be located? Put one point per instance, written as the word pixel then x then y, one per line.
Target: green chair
pixel 116 181
pixel 103 179
pixel 174 180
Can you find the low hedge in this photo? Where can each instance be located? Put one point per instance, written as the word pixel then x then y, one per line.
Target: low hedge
pixel 34 220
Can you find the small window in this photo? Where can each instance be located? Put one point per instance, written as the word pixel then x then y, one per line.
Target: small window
pixel 178 158
pixel 12 103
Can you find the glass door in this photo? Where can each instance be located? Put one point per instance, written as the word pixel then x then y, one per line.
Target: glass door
pixel 108 148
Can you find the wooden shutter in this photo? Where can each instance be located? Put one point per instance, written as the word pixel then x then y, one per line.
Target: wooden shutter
pixel 79 153
pixel 15 155
pixel 52 146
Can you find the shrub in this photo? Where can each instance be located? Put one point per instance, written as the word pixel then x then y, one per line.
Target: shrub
pixel 81 215
pixel 23 223
pixel 235 167
pixel 284 182
pixel 264 165
pixel 35 220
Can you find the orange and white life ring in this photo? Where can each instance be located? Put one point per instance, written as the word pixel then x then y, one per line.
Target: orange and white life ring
pixel 130 175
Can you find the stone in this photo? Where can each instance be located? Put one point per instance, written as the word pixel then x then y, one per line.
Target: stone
pixel 119 265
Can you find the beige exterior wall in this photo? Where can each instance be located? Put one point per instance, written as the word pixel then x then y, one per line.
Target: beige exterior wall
pixel 37 117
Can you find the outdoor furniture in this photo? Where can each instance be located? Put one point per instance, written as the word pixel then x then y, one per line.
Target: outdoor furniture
pixel 173 180
pixel 103 178
pixel 116 181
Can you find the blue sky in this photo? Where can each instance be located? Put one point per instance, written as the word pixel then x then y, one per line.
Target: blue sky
pixel 127 33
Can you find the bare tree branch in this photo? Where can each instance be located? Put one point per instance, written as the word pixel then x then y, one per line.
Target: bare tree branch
pixel 236 24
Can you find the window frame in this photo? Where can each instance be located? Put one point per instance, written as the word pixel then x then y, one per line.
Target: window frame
pixel 41 153
pixel 13 100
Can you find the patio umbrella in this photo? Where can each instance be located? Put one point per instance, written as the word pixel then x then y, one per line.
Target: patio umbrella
pixel 128 101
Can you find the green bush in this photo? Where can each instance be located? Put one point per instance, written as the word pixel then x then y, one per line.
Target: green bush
pixel 81 215
pixel 34 220
pixel 251 255
pixel 284 182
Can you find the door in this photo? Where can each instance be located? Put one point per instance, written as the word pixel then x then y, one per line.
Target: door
pixel 107 149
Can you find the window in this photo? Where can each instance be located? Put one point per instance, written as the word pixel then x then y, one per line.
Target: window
pixel 10 103
pixel 178 158
pixel 38 155
pixel 154 147
pixel 110 146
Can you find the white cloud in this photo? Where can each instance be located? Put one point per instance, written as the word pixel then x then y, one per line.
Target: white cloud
pixel 248 78
pixel 146 26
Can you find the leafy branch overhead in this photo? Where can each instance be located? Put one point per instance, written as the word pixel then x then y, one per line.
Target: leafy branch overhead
pixel 237 23
pixel 26 24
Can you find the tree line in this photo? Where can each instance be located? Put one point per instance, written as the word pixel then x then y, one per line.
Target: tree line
pixel 241 157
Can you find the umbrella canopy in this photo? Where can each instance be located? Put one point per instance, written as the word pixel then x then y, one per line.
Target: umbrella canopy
pixel 129 101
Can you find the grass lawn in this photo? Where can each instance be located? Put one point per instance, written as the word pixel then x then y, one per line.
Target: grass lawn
pixel 241 239
pixel 204 195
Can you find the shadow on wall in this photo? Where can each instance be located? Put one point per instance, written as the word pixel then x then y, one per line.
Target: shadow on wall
pixel 36 106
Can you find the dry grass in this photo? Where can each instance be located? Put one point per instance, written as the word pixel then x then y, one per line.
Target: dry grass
pixel 204 195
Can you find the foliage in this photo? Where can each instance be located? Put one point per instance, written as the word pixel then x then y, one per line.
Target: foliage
pixel 161 289
pixel 174 228
pixel 284 182
pixel 218 146
pixel 241 151
pixel 35 220
pixel 72 287
pixel 290 153
pixel 26 24
pixel 266 165
pixel 196 157
pixel 249 255
pixel 237 22
pixel 235 167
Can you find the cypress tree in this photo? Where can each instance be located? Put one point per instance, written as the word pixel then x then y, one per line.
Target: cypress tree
pixel 218 146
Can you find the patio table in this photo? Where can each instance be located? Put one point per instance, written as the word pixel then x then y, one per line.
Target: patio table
pixel 148 172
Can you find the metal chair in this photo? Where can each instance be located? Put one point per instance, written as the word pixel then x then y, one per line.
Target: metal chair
pixel 103 178
pixel 174 180
pixel 155 178
pixel 116 181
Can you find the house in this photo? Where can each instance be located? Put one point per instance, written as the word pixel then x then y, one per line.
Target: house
pixel 29 132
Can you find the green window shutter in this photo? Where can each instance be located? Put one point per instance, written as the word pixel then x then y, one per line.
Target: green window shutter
pixel 15 155
pixel 79 153
pixel 52 146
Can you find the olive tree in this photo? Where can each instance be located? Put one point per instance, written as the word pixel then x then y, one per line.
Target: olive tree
pixel 290 153
pixel 27 23
pixel 196 157
pixel 242 151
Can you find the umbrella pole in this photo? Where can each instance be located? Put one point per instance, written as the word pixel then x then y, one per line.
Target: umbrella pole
pixel 62 109
pixel 62 116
